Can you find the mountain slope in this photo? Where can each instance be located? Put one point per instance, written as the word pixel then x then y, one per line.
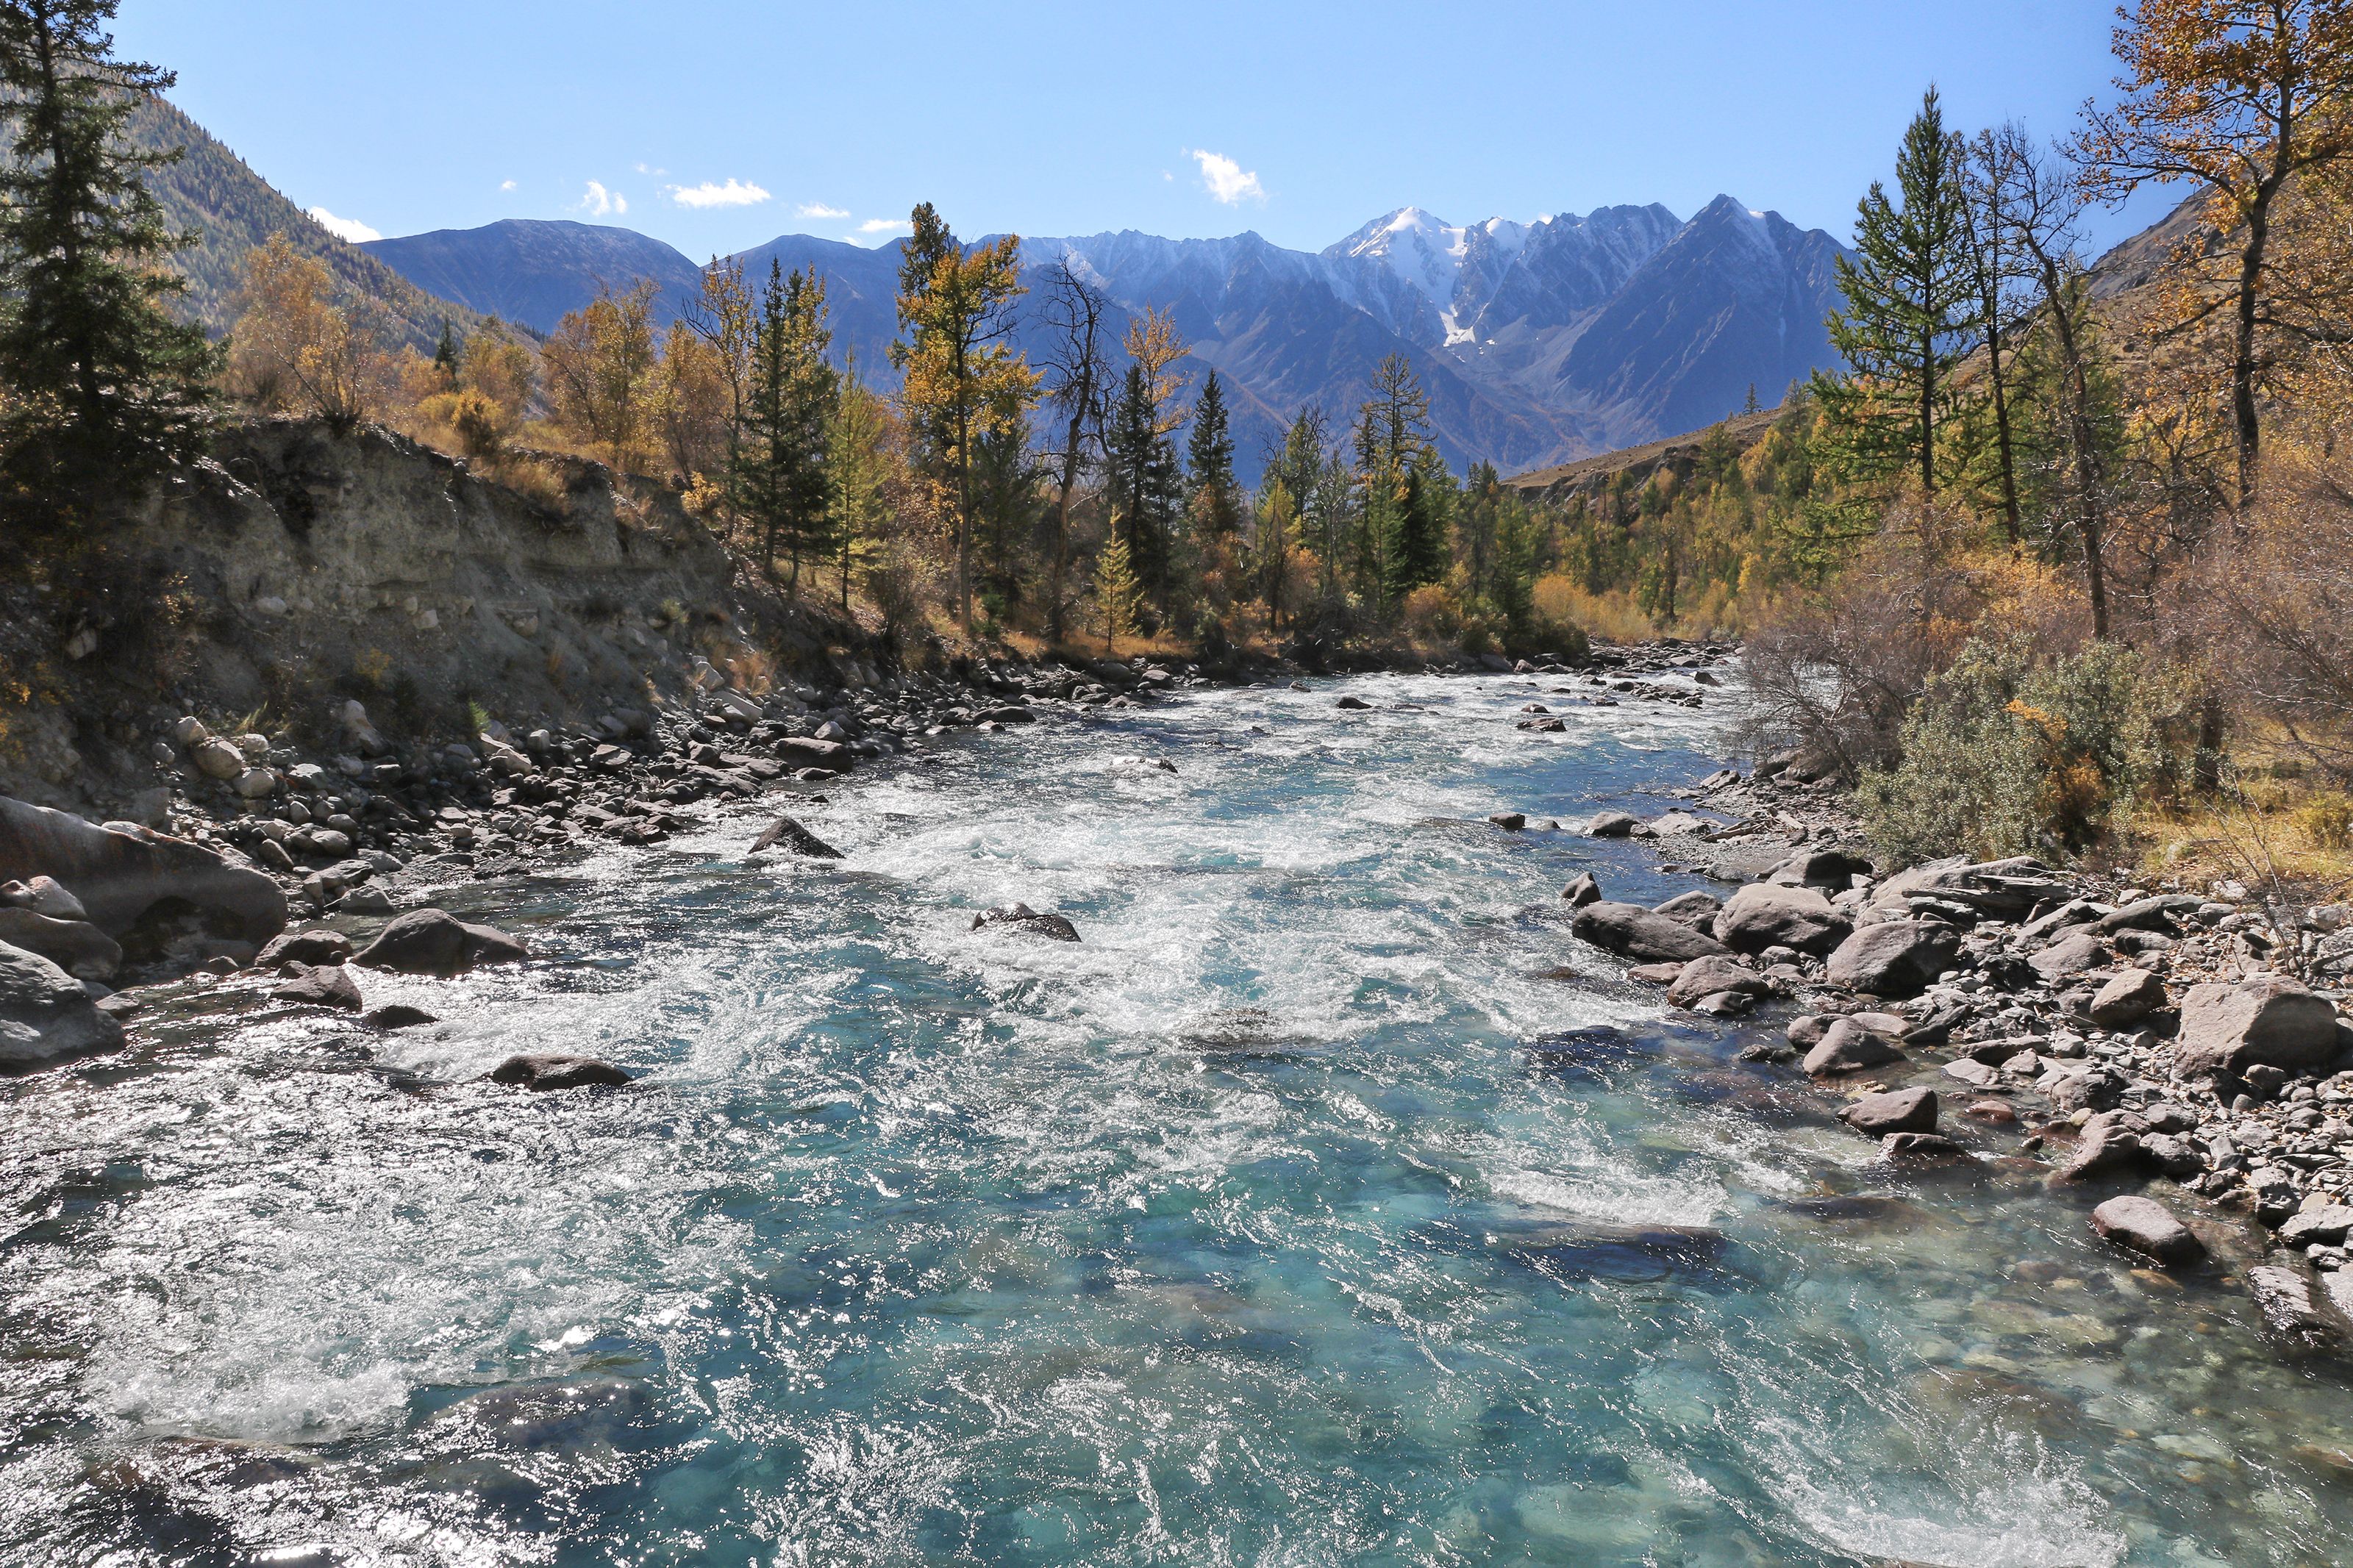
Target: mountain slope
pixel 233 209
pixel 534 271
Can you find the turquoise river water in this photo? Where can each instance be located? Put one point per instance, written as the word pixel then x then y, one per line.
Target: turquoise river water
pixel 1327 1206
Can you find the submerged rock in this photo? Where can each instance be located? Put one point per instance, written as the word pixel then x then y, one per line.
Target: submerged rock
pixel 546 1071
pixel 45 1014
pixel 2296 1319
pixel 1847 1046
pixel 315 946
pixel 1021 917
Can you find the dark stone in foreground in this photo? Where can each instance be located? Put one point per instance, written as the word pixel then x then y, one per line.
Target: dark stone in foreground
pixel 544 1072
pixel 434 942
pixel 396 1016
pixel 45 1014
pixel 1021 917
pixel 794 838
pixel 1630 930
pixel 328 986
pixel 1898 1110
pixel 2144 1225
pixel 1583 891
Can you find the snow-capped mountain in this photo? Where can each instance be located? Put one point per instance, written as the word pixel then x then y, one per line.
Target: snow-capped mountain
pixel 1538 343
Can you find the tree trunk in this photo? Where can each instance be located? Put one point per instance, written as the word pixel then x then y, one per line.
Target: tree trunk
pixel 2242 360
pixel 2010 521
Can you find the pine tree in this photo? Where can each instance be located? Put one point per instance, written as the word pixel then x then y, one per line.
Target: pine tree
pixel 97 382
pixel 1417 554
pixel 1142 480
pixel 783 484
pixel 1117 593
pixel 1215 500
pixel 1911 312
pixel 446 354
pixel 1748 403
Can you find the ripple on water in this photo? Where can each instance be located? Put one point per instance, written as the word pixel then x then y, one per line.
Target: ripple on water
pixel 1323 1205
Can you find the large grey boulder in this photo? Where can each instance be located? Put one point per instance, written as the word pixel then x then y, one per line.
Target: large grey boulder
pixel 1632 932
pixel 1847 1046
pixel 1897 1111
pixel 44 1015
pixel 121 871
pixel 76 946
pixel 2127 999
pixel 2268 1021
pixel 1893 958
pixel 434 942
pixel 1714 975
pixel 2144 1225
pixel 1768 915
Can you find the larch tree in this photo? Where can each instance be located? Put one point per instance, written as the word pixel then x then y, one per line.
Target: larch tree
pixel 724 315
pixel 294 349
pixel 962 378
pixel 1911 312
pixel 858 464
pixel 97 381
pixel 1118 594
pixel 599 364
pixel 1277 544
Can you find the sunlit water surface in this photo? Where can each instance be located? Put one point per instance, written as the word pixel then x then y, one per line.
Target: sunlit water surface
pixel 1249 1231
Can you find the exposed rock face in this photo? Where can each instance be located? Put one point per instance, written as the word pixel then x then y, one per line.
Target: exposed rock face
pixel 1632 932
pixel 2269 1021
pixel 44 1015
pixel 2145 1227
pixel 1893 958
pixel 1768 915
pixel 553 1071
pixel 433 942
pixel 121 872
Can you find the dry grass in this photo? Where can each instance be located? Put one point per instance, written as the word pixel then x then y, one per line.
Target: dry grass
pixel 1605 617
pixel 2263 829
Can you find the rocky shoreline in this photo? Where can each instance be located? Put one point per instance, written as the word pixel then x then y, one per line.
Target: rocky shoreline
pixel 2162 1047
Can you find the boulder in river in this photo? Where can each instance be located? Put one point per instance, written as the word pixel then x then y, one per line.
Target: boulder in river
pixel 551 1070
pixel 1696 910
pixel 794 838
pixel 1712 975
pixel 76 946
pixel 1847 1046
pixel 1022 918
pixel 1614 825
pixel 45 1014
pixel 121 871
pixel 315 946
pixel 2268 1021
pixel 1630 930
pixel 396 1016
pixel 1768 915
pixel 328 986
pixel 1897 1111
pixel 1509 821
pixel 1583 891
pixel 1893 958
pixel 434 942
pixel 2145 1226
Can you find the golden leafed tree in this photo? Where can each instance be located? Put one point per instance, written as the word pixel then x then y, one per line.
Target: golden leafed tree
pixel 2241 97
pixel 600 364
pixel 294 349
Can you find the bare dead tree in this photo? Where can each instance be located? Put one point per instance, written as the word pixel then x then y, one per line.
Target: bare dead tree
pixel 1078 382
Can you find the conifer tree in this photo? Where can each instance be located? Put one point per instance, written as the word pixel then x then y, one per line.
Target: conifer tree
pixel 1117 593
pixel 784 484
pixel 1141 479
pixel 1278 540
pixel 96 381
pixel 1416 553
pixel 446 353
pixel 1911 311
pixel 1209 467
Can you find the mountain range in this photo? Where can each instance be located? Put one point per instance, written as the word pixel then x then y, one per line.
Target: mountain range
pixel 1538 342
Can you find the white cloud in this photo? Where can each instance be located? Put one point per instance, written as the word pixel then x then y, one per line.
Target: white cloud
pixel 711 193
pixel 818 209
pixel 1226 180
pixel 601 203
pixel 506 184
pixel 350 229
pixel 884 226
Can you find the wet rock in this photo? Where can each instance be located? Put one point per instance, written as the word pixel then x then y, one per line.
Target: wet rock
pixel 1696 910
pixel 1712 975
pixel 1583 891
pixel 328 986
pixel 2296 1321
pixel 1632 932
pixel 1893 958
pixel 1008 714
pixel 553 1071
pixel 784 831
pixel 44 896
pixel 433 942
pixel 2269 1020
pixel 1920 1149
pixel 1509 821
pixel 2127 999
pixel 1022 918
pixel 2108 1145
pixel 1768 915
pixel 1354 704
pixel 1656 973
pixel 366 901
pixel 2095 1090
pixel 1847 1046
pixel 1807 1029
pixel 44 1015
pixel 1897 1111
pixel 2144 1225
pixel 800 752
pixel 396 1016
pixel 75 946
pixel 1978 1075
pixel 120 872
pixel 1613 825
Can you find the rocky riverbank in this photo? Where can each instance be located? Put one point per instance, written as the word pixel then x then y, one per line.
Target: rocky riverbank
pixel 2166 1047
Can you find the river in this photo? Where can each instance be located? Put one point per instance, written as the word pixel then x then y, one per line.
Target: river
pixel 1327 1204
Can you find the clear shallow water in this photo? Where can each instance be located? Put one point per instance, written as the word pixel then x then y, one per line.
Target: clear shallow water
pixel 1250 1231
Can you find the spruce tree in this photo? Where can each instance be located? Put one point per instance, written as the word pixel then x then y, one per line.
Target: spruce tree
pixel 444 353
pixel 783 483
pixel 1142 480
pixel 1209 467
pixel 1417 552
pixel 96 381
pixel 1911 312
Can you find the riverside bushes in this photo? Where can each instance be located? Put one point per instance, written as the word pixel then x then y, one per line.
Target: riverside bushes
pixel 2010 753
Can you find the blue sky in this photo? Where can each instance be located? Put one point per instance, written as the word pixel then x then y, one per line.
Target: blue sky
pixel 718 124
